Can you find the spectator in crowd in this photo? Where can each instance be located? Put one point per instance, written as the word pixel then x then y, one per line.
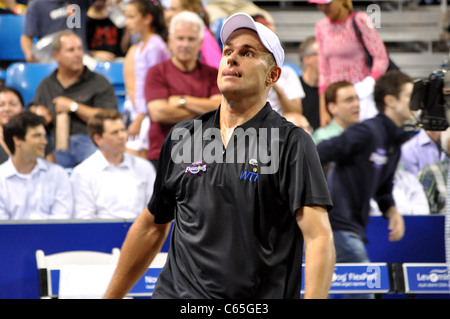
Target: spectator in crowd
pixel 342 56
pixel 235 238
pixel 309 80
pixel 107 40
pixel 11 104
pixel 69 97
pixel 365 159
pixel 45 18
pixel 145 19
pixel 181 87
pixel 433 178
pixel 32 188
pixel 421 150
pixel 408 193
pixel 210 52
pixel 343 104
pixel 285 95
pixel 111 183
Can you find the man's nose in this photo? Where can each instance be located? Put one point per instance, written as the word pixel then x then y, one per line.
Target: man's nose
pixel 232 59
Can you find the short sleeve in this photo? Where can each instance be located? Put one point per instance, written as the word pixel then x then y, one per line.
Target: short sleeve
pixel 301 174
pixel 162 204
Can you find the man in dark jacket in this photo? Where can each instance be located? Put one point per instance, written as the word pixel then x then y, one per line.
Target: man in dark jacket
pixel 365 158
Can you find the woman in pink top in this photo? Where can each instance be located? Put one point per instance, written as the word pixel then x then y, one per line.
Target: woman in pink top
pixel 146 19
pixel 342 56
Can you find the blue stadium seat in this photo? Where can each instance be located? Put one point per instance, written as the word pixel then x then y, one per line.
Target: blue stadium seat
pixel 113 71
pixel 25 77
pixel 11 28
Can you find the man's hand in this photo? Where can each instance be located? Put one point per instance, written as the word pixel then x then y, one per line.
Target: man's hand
pixel 62 104
pixel 42 111
pixel 396 225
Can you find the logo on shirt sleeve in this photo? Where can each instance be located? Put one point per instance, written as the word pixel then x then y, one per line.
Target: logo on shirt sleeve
pixel 379 157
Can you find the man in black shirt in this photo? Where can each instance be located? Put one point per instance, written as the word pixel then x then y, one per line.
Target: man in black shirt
pixel 244 200
pixel 72 90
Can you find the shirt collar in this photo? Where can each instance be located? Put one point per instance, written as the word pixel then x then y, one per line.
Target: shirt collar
pixel 41 165
pixel 397 134
pixel 255 122
pixel 103 164
pixel 423 138
pixel 84 77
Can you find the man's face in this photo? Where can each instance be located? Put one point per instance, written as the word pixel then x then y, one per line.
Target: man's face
pixel 402 103
pixel 70 56
pixel 311 60
pixel 185 43
pixel 114 137
pixel 244 68
pixel 33 146
pixel 345 110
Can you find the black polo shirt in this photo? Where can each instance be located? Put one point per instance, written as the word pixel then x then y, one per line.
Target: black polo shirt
pixel 91 89
pixel 235 233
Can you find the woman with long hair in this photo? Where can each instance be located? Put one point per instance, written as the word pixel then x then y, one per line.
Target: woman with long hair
pixel 145 19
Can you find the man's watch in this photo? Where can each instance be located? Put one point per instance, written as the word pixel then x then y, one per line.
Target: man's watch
pixel 73 107
pixel 182 101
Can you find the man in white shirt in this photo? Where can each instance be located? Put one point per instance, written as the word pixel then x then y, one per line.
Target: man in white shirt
pixel 111 183
pixel 31 187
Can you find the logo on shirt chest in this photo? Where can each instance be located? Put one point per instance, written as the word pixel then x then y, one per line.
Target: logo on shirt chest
pixel 196 169
pixel 250 175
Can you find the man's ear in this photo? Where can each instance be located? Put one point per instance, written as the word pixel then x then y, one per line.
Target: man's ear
pixel 274 75
pixel 389 100
pixel 17 141
pixel 97 139
pixel 331 107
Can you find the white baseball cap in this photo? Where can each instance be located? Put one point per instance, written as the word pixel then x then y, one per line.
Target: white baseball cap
pixel 268 38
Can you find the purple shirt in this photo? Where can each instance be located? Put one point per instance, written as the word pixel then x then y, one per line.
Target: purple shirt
pixel 420 151
pixel 154 52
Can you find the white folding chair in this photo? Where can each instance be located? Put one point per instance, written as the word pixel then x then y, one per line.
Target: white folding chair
pixel 50 267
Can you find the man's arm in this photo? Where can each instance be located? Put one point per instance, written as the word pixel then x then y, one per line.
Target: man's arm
pixel 170 111
pixel 142 243
pixel 320 253
pixel 85 112
pixel 26 43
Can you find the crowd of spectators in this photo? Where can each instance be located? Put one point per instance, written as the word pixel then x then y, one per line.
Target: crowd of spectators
pixel 171 57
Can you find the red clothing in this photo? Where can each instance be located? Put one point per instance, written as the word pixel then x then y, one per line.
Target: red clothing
pixel 164 80
pixel 341 55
